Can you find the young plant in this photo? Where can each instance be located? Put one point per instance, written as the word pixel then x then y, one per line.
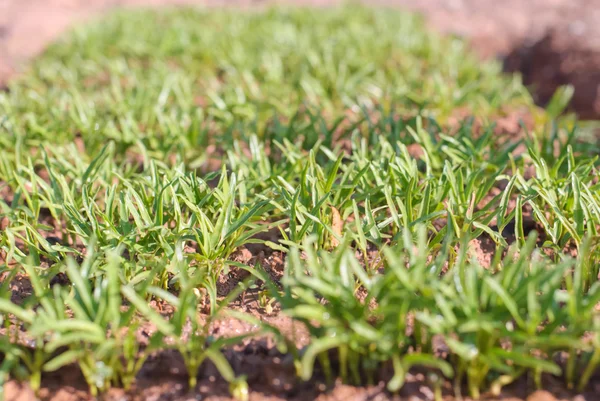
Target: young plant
pixel 219 225
pixel 478 311
pixel 324 292
pixel 187 330
pixel 88 326
pixel 17 360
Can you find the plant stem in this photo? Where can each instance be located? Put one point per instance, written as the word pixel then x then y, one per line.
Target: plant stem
pixel 589 369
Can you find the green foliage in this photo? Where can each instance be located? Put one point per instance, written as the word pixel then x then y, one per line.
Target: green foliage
pixel 498 323
pixel 143 153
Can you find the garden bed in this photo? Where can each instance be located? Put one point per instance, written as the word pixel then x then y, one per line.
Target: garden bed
pixel 291 204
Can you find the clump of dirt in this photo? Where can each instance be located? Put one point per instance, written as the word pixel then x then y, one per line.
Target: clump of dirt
pixel 569 53
pixel 551 43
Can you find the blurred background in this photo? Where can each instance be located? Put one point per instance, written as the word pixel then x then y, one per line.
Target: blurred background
pixel 550 42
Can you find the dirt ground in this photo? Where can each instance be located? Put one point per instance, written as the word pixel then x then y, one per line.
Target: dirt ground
pixel 271 376
pixel 551 42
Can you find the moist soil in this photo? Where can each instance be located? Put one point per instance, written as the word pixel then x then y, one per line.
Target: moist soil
pixel 551 42
pixel 270 379
pixel 270 374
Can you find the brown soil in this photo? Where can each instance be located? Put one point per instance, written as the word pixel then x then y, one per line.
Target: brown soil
pixel 271 377
pixel 551 42
pixel 568 53
pixel 270 374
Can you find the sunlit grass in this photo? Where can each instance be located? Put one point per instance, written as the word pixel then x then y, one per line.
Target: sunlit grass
pixel 140 153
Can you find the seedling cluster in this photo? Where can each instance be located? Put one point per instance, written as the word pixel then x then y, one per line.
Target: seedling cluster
pixel 141 154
